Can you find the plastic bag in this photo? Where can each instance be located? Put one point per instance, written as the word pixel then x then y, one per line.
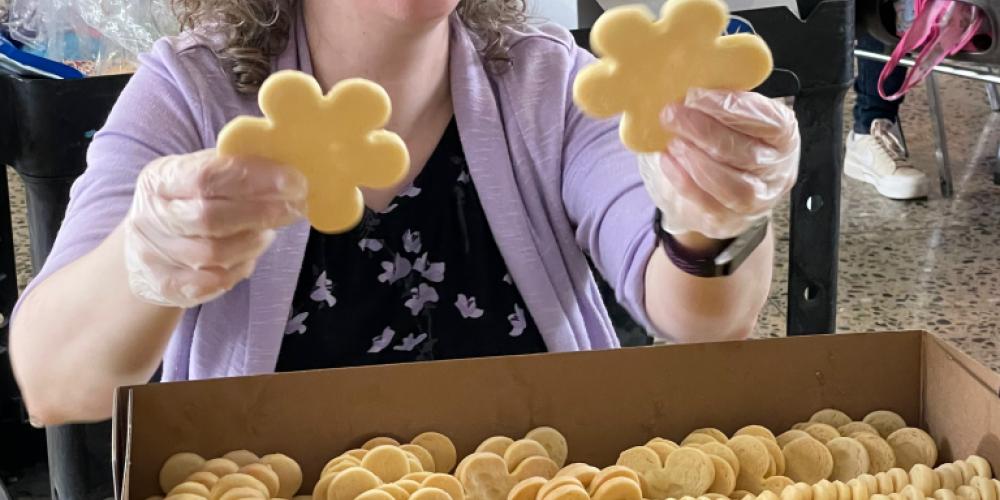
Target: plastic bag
pixel 98 37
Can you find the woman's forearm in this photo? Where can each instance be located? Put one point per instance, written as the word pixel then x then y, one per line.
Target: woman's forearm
pixel 82 333
pixel 693 309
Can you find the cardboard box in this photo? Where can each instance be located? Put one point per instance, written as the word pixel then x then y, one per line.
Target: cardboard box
pixel 604 402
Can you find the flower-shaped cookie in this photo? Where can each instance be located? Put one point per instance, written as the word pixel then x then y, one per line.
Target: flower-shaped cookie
pixel 648 64
pixel 335 140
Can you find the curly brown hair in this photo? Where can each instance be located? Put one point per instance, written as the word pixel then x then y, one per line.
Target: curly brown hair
pixel 257 30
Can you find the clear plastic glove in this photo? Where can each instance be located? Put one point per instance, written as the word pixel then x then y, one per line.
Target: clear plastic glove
pixel 734 156
pixel 199 222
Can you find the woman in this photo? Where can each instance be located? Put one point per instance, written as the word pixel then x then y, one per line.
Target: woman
pixel 170 253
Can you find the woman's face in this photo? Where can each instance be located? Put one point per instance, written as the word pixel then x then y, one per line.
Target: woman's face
pixel 414 11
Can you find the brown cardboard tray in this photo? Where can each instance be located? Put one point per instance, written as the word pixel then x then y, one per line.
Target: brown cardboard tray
pixel 603 402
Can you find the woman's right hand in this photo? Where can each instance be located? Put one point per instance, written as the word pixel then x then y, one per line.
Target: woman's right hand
pixel 199 222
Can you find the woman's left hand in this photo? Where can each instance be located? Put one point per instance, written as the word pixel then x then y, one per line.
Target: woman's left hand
pixel 733 157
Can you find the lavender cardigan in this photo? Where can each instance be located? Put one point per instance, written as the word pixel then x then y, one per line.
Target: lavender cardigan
pixel 554 185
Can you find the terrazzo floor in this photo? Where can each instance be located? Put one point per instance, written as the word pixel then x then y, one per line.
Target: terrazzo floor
pixel 932 264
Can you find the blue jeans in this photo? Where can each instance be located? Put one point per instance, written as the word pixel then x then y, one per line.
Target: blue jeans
pixel 869 105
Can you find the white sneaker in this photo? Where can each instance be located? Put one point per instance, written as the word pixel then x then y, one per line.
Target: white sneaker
pixel 880 159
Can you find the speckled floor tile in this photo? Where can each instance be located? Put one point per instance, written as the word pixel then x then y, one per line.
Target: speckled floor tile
pixel 932 264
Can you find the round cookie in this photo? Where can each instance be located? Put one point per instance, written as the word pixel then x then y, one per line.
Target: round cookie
pixel 203 477
pixel 831 417
pixel 527 489
pixel 824 490
pixel 241 493
pixel 352 482
pixel 585 473
pixel 807 460
pixel 724 482
pixel 237 480
pixel 981 465
pixel 925 479
pixel 376 494
pixel 885 483
pixel 912 492
pixel 777 458
pixel 949 476
pixel 220 467
pixel 553 441
pixel 713 433
pixel 618 488
pixel 724 452
pixel 440 447
pixel 396 491
pixel 913 446
pixel 756 430
pixel 880 454
pixel 688 471
pixel 843 490
pixel 859 489
pixel 944 494
pixel 789 436
pixel 190 488
pixel 607 474
pixel 966 469
pixel 900 478
pixel 885 422
pixel 289 473
pixel 177 468
pixel 663 449
pixel 852 428
pixel 968 492
pixel 409 485
pixel 242 457
pixel 375 442
pixel 698 438
pixel 265 474
pixel 754 460
pixel 777 484
pixel 446 483
pixel 388 462
pixel 556 483
pixel 422 455
pixel 566 492
pixel 850 458
pixel 522 449
pixel 430 494
pixel 822 432
pixel 497 445
pixel 986 488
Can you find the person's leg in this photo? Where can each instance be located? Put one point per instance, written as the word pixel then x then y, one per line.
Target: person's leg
pixel 875 153
pixel 870 105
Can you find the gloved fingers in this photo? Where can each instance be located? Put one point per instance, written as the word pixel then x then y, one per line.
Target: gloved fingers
pixel 164 284
pixel 751 113
pixel 685 187
pixel 739 191
pixel 722 143
pixel 220 217
pixel 204 175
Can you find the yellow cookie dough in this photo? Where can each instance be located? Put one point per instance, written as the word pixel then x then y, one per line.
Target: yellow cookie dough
pixel 647 64
pixel 336 140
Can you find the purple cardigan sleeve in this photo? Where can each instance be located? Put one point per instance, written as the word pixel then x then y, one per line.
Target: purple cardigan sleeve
pixel 607 201
pixel 153 117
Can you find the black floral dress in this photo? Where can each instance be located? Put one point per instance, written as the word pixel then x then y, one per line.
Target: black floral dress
pixel 422 280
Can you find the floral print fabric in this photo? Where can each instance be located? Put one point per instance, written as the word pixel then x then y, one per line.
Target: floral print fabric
pixel 422 280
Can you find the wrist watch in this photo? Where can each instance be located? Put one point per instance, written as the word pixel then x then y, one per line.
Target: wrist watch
pixel 717 264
